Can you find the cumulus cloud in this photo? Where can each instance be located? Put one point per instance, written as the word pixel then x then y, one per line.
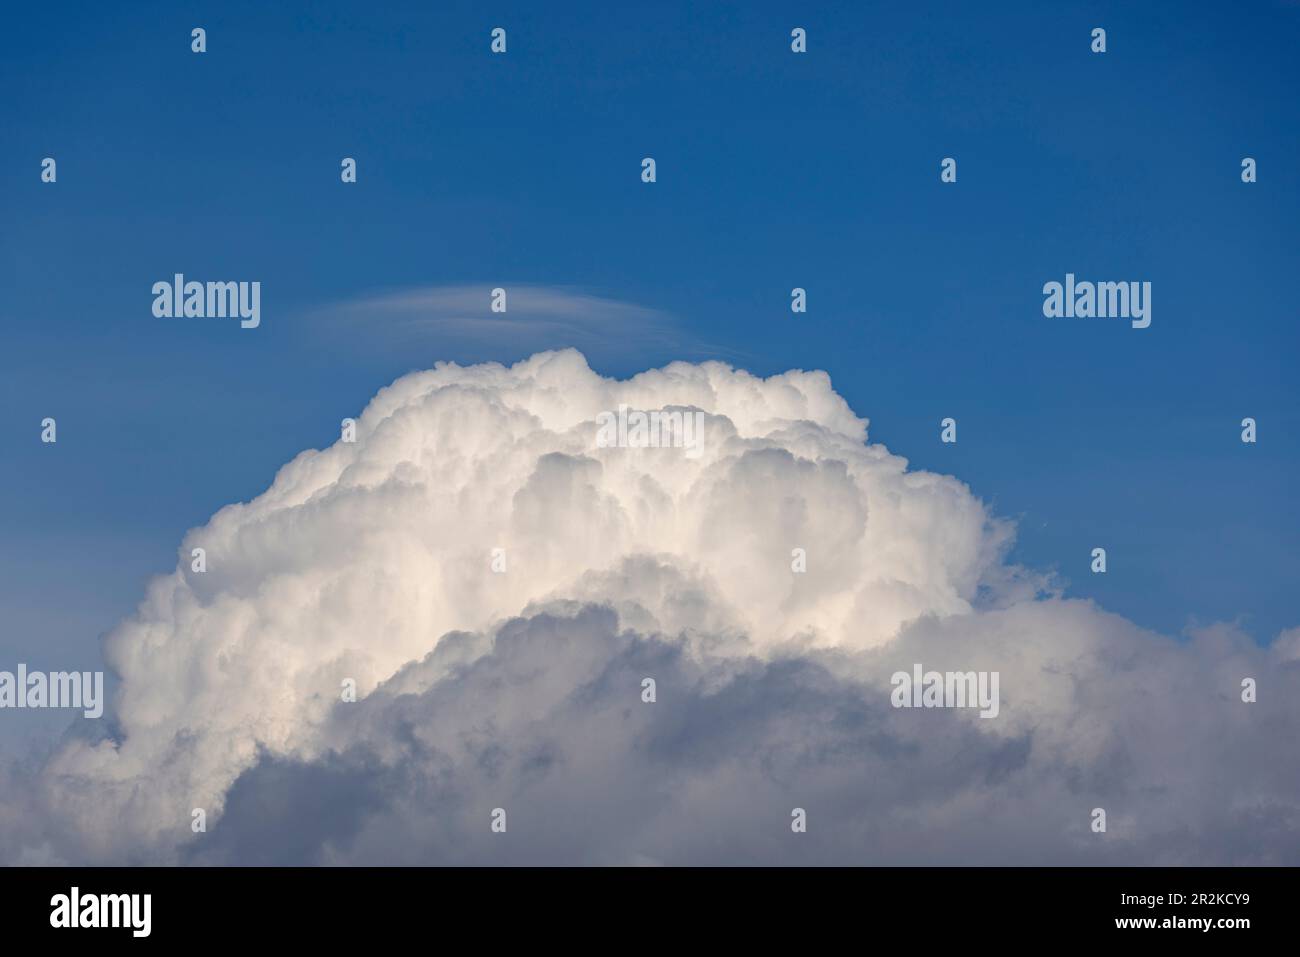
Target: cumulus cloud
pixel 521 688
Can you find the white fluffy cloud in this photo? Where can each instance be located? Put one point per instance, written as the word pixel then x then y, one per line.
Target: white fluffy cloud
pixel 372 561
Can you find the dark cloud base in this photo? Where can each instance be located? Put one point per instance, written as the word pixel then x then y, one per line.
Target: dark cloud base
pixel 548 724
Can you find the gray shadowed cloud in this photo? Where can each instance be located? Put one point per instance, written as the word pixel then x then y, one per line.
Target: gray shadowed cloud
pixel 544 719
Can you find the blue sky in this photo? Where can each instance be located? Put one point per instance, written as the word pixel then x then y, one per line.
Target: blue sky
pixel 774 171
